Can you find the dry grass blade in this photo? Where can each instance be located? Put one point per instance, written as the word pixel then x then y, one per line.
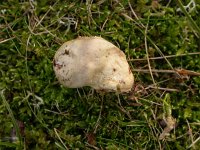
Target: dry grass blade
pixel 170 56
pixel 99 117
pixel 6 40
pixel 182 72
pixel 164 89
pixel 154 70
pixel 190 132
pixel 55 130
pixel 133 12
pixel 146 48
pixel 16 126
pixel 194 143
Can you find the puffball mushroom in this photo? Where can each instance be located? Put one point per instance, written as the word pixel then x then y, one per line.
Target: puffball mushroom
pixel 94 62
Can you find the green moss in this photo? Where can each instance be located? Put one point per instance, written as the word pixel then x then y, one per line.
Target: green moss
pixel 35 30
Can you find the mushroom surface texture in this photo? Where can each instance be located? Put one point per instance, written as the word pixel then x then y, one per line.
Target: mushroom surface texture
pixel 94 62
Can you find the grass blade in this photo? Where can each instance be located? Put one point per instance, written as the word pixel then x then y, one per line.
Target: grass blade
pixel 12 117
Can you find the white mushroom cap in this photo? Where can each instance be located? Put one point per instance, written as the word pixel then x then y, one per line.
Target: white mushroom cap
pixel 94 62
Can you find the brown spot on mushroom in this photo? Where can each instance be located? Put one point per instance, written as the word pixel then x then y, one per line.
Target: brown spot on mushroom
pixel 67 73
pixel 122 82
pixel 66 51
pixel 68 79
pixel 57 65
pixel 114 69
